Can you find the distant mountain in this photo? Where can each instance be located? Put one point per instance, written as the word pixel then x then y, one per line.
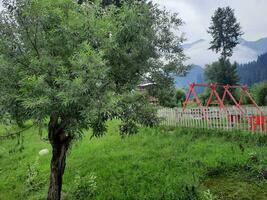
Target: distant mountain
pixel 189 45
pixel 253 72
pixel 252 66
pixel 260 46
pixel 245 52
pixel 249 73
pixel 196 74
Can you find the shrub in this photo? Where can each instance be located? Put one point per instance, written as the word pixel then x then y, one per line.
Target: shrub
pixel 84 187
pixel 33 182
pixel 189 192
pixel 206 195
pixel 259 91
pixel 180 96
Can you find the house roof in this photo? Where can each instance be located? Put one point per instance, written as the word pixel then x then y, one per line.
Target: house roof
pixel 145 84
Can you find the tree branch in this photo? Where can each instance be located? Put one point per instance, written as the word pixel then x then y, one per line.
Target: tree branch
pixel 28 35
pixel 12 135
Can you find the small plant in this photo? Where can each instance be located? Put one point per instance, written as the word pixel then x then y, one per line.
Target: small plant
pixel 263 173
pixel 207 195
pixel 189 193
pixel 84 187
pixel 32 182
pixel 253 157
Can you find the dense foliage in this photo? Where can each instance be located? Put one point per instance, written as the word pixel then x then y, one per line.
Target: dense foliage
pixel 168 97
pixel 225 31
pixel 164 94
pixel 180 96
pixel 260 93
pixel 78 64
pixel 222 72
pixel 253 72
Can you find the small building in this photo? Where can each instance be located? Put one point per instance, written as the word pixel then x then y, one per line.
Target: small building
pixel 143 88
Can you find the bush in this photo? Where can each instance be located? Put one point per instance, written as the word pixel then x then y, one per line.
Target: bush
pixel 84 187
pixel 206 195
pixel 245 99
pixel 259 91
pixel 205 96
pixel 33 181
pixel 180 96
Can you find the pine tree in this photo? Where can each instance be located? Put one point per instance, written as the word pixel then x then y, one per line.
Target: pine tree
pixel 222 72
pixel 225 32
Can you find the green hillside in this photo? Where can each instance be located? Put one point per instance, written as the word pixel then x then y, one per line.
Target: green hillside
pixel 157 163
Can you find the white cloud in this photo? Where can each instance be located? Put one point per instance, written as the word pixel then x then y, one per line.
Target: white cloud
pixel 197 13
pixel 200 54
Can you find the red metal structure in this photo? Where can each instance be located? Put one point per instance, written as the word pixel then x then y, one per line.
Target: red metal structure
pixel 254 121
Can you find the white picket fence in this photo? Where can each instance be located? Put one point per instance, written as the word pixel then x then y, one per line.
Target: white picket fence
pixel 231 118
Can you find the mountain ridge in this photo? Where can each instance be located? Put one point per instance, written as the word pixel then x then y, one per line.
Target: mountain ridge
pixel 246 51
pixel 254 50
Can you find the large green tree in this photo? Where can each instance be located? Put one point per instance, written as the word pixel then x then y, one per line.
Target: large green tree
pixel 222 72
pixel 77 65
pixel 225 32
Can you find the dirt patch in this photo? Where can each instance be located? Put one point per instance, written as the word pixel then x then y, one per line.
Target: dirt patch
pixel 236 187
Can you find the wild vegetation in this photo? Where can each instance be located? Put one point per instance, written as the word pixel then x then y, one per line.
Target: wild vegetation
pixel 157 163
pixel 253 72
pixel 69 72
pixel 260 92
pixel 76 65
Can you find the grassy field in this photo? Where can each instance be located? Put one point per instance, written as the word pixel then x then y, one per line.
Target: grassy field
pixel 157 163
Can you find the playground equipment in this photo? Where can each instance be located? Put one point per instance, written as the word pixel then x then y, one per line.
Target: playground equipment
pixel 241 114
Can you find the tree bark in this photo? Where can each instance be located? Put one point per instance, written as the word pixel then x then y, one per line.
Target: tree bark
pixel 60 143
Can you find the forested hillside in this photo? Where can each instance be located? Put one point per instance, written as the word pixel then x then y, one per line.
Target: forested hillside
pixel 249 73
pixel 253 72
pixel 196 74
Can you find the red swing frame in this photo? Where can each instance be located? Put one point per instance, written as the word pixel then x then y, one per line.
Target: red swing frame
pixel 254 120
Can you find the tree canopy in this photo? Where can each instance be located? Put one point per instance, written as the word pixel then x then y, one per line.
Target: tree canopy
pixel 222 72
pixel 78 65
pixel 225 31
pixel 53 62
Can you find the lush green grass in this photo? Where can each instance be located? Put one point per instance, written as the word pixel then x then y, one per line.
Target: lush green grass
pixel 158 163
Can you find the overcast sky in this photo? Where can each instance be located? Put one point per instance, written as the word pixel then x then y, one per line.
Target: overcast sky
pixel 252 15
pixel 197 13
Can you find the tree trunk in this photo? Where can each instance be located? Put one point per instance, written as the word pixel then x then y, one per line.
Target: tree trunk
pixel 60 142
